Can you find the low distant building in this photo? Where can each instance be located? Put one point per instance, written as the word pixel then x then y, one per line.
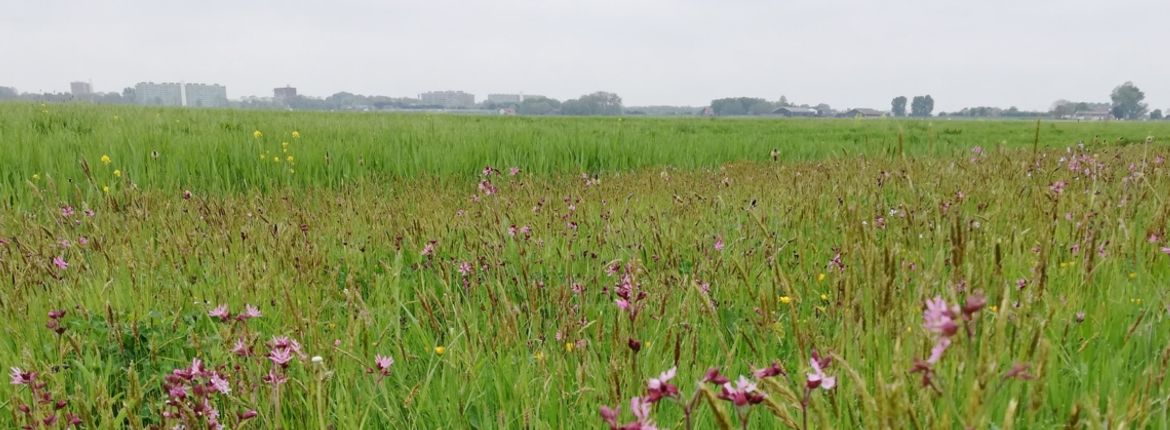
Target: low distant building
pixel 162 94
pixel 793 111
pixel 448 99
pixel 863 113
pixel 284 93
pixel 81 89
pixel 503 99
pixel 205 95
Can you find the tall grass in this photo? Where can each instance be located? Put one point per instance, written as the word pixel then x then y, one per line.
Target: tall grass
pixel 503 329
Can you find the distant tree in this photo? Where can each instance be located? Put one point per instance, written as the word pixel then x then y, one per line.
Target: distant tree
pixel 783 102
pixel 538 106
pixel 129 95
pixel 922 106
pixel 599 103
pixel 1127 102
pixel 1156 114
pixel 898 106
pixel 762 107
pixel 739 106
pixel 109 99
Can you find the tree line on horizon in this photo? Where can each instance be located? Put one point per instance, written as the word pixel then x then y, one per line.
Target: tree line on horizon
pixel 1126 102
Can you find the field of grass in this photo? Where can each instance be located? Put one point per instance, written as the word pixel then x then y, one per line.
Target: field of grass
pixel 621 249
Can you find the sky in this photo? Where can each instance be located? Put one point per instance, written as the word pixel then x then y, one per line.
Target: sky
pixel 847 53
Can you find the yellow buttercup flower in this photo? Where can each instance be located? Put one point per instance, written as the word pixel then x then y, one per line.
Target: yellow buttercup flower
pixel 539 356
pixel 825 297
pixel 820 277
pixel 257 134
pixel 117 173
pixel 785 299
pixel 36 176
pixel 106 160
pixel 289 159
pixel 284 144
pixel 105 188
pixel 568 346
pixel 276 159
pixel 439 350
pixel 296 134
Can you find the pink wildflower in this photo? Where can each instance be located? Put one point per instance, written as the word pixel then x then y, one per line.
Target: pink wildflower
pixel 1019 371
pixel 513 171
pixel 248 313
pixel 770 371
pixel 486 187
pixel 221 313
pixel 937 351
pixel 382 365
pixel 661 387
pixel 818 378
pixel 60 263
pixel 610 415
pixel 719 244
pixel 67 211
pixel 1057 187
pixel 241 348
pixel 280 356
pixel 938 318
pixel 274 378
pixel 219 384
pixel 743 393
pixel 622 304
pixel 713 376
pixel 20 377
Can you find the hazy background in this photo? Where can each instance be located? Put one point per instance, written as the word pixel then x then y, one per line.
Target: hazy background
pixel 848 53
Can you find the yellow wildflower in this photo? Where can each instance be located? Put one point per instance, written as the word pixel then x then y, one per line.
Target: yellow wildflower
pixel 825 297
pixel 439 350
pixel 117 173
pixel 276 159
pixel 296 134
pixel 785 299
pixel 821 277
pixel 284 144
pixel 105 188
pixel 257 134
pixel 568 346
pixel 994 309
pixel 1132 275
pixel 106 159
pixel 289 159
pixel 36 176
pixel 539 356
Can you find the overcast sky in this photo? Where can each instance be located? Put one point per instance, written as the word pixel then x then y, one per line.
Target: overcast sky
pixel 848 53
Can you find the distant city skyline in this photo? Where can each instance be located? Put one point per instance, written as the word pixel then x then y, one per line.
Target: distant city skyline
pixel 847 53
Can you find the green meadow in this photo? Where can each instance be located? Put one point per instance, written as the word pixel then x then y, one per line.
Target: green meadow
pixel 543 272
